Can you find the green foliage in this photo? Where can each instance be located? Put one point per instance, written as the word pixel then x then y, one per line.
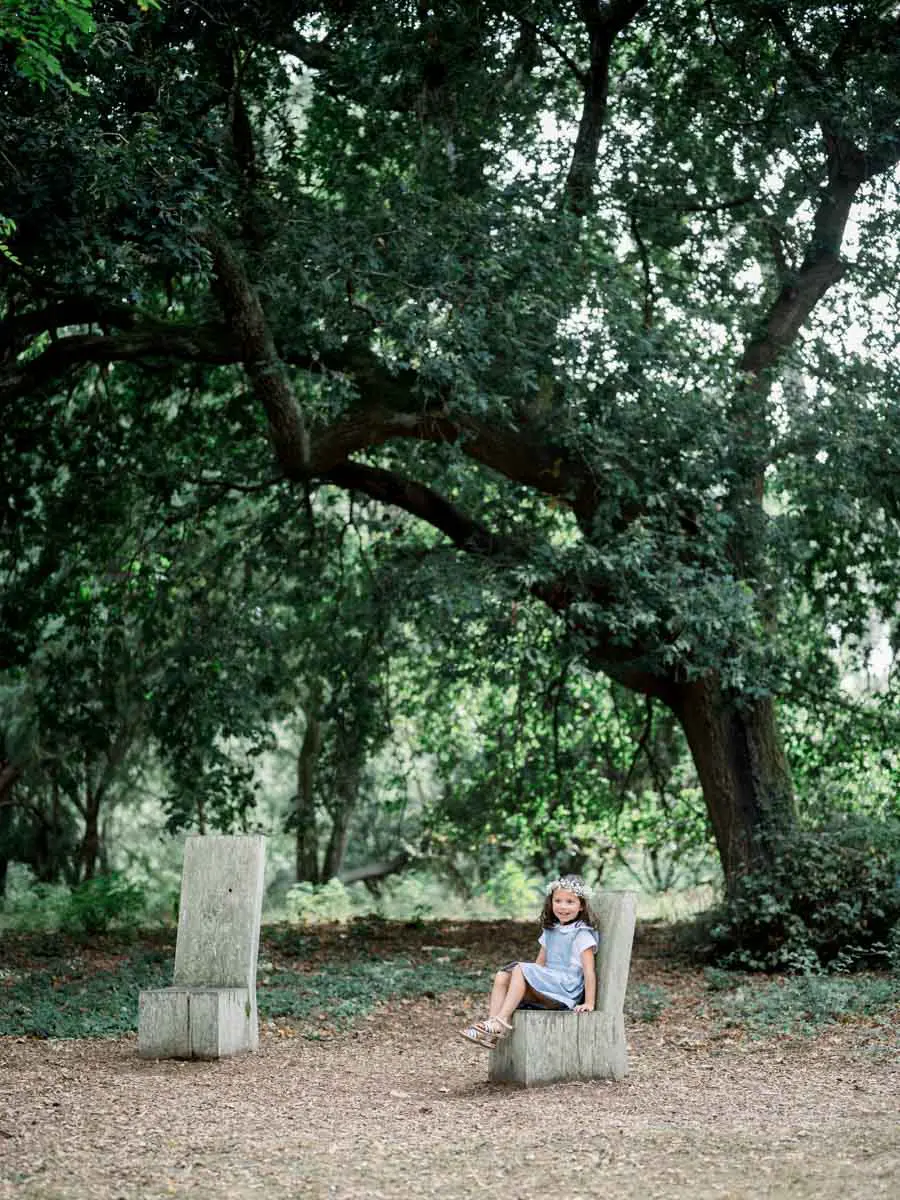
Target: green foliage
pixel 663 838
pixel 646 405
pixel 306 903
pixel 7 229
pixel 514 892
pixel 830 899
pixel 417 896
pixel 646 1003
pixel 842 746
pixel 803 1004
pixel 540 760
pixel 58 998
pixel 110 901
pixel 41 31
pixel 104 902
pixel 31 906
pixel 348 991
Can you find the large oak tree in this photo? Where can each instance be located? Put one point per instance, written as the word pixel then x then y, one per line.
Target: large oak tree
pixel 602 292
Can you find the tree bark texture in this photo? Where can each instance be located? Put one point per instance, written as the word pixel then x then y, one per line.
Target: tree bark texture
pixel 6 821
pixel 8 776
pixel 90 843
pixel 603 23
pixel 246 320
pixel 91 851
pixel 742 768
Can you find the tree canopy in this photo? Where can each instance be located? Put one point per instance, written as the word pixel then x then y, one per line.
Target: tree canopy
pixel 603 295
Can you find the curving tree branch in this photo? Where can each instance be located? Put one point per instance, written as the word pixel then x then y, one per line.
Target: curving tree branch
pixel 622 663
pixel 247 322
pixel 389 405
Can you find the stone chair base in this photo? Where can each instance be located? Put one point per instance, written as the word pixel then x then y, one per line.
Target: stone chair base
pixel 196 1022
pixel 547 1047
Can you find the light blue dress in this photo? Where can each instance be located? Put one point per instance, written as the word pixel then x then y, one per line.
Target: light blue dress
pixel 561 979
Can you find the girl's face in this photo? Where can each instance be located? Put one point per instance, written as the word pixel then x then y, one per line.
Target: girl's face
pixel 566 906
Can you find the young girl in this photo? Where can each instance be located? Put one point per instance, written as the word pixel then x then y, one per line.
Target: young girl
pixel 564 975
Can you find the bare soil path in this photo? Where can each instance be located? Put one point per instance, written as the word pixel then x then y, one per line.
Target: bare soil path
pixel 399 1107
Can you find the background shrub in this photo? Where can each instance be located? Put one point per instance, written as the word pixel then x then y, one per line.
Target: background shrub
pixel 309 903
pixel 831 899
pixel 99 903
pixel 30 906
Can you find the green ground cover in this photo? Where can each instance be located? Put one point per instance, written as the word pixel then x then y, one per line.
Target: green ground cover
pixel 316 981
pixel 91 989
pixel 803 1003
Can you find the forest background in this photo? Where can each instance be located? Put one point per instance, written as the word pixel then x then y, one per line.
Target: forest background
pixel 459 442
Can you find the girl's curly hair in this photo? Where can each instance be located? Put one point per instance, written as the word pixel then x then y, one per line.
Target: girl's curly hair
pixel 585 913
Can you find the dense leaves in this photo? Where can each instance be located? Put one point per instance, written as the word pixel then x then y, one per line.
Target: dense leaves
pixel 831 899
pixel 600 297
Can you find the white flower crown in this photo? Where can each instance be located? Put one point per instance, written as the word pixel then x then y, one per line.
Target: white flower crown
pixel 570 883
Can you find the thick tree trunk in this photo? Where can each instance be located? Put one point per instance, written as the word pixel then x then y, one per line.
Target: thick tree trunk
pixel 742 768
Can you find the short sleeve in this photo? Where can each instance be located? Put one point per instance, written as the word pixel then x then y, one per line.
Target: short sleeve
pixel 585 939
pixel 543 938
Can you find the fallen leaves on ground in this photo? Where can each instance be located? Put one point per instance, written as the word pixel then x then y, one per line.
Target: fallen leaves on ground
pixel 398 1105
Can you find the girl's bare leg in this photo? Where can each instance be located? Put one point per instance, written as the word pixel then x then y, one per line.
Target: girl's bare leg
pixel 515 993
pixel 507 993
pixel 498 992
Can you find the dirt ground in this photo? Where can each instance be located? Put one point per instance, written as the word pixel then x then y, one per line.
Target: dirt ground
pixel 399 1106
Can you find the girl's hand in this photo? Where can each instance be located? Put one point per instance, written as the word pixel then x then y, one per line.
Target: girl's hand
pixel 583 1008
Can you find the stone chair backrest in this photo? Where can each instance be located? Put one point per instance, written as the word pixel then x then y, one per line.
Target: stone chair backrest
pixel 220 911
pixel 615 913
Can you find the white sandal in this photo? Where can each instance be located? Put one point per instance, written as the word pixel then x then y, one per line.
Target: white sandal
pixel 486 1033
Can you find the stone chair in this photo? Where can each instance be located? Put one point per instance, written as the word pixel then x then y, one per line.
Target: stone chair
pixel 210 1011
pixel 547 1047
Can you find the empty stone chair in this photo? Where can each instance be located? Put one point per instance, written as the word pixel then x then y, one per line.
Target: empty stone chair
pixel 546 1047
pixel 210 1011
